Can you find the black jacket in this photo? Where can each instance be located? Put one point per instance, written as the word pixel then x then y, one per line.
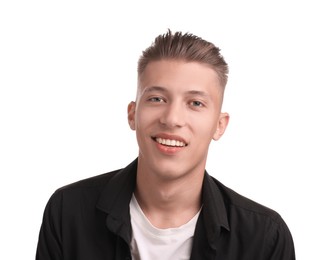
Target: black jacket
pixel 90 220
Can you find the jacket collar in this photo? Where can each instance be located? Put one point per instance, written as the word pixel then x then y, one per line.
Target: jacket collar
pixel 115 199
pixel 212 222
pixel 214 209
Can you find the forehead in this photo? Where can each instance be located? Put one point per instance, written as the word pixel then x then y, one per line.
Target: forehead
pixel 179 76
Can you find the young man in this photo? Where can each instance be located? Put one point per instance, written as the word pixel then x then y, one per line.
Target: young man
pixel 164 205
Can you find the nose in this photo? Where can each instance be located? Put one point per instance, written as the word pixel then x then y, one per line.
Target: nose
pixel 173 116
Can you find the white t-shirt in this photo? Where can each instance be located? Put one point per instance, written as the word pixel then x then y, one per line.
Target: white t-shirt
pixel 151 243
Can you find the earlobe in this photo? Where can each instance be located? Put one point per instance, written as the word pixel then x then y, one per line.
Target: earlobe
pixel 131 114
pixel 221 126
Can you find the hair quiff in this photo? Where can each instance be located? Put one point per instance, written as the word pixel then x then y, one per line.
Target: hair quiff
pixel 187 47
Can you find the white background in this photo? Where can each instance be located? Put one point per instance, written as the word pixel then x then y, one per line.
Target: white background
pixel 68 71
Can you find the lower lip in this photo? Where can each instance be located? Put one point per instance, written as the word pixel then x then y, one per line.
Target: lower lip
pixel 170 150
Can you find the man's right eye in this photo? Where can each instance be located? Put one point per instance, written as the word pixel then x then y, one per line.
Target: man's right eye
pixel 156 99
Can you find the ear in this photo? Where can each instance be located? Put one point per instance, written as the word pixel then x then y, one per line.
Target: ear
pixel 131 114
pixel 221 126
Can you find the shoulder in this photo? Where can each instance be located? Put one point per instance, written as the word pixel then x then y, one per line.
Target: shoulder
pixel 99 182
pixel 94 182
pixel 89 190
pixel 236 201
pixel 85 189
pixel 251 217
pixel 247 215
pixel 261 228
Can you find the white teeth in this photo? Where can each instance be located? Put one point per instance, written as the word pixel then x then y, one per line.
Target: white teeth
pixel 170 142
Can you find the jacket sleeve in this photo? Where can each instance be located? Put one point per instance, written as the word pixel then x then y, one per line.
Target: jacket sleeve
pixel 50 240
pixel 281 246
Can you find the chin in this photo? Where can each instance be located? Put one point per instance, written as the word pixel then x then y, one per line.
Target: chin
pixel 169 170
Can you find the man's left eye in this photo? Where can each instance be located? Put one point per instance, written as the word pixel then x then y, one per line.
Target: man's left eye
pixel 196 103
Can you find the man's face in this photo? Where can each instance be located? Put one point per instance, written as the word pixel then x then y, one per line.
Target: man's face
pixel 176 115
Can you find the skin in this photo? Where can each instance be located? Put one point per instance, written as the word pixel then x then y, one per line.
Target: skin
pixel 180 101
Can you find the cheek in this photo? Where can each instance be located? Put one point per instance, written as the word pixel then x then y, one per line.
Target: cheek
pixel 143 122
pixel 145 117
pixel 140 120
pixel 206 129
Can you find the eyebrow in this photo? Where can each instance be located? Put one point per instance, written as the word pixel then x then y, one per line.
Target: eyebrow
pixel 198 93
pixel 154 88
pixel 162 89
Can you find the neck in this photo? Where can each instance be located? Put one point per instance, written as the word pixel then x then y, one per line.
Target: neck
pixel 169 202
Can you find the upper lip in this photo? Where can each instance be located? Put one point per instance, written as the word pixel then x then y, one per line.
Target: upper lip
pixel 170 137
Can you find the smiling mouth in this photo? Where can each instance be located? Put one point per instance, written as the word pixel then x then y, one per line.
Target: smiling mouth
pixel 169 142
